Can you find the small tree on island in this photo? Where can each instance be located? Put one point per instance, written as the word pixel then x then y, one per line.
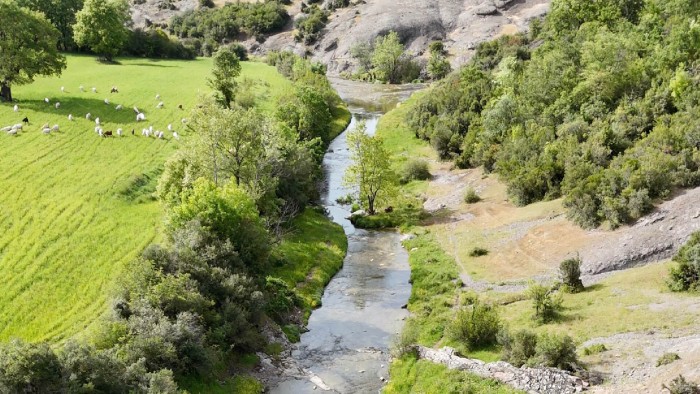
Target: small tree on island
pixel 101 26
pixel 371 169
pixel 28 47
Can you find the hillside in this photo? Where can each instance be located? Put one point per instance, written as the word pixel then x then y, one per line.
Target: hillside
pixel 77 207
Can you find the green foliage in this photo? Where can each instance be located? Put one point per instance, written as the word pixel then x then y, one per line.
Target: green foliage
pixel 438 65
pixel 667 358
pixel 307 113
pixel 546 301
pixel 680 385
pixel 29 368
pixel 155 43
pixel 415 170
pixel 28 45
pixel 685 276
pixel 476 325
pixel 602 113
pixel 60 13
pixel 100 26
pixel 370 171
pixel 555 350
pixel 471 196
pixel 206 29
pixel 478 252
pixel 227 68
pixel 594 349
pixel 309 25
pixel 518 348
pixel 570 274
pixel 386 56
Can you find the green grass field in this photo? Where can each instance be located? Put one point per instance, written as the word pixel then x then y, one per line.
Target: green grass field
pixel 74 207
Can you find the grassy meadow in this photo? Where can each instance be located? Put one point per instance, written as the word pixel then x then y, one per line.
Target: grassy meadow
pixel 74 207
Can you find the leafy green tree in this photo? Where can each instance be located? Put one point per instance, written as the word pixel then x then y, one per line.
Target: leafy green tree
pixel 29 368
pixel 546 302
pixel 227 68
pixel 371 169
pixel 477 325
pixel 307 113
pixel 438 65
pixel 685 276
pixel 386 58
pixel 61 13
pixel 101 26
pixel 28 47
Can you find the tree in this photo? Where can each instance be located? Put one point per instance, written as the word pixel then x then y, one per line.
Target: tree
pixel 100 25
pixel 307 113
pixel 29 368
pixel 438 66
pixel 28 47
pixel 371 169
pixel 227 68
pixel 61 13
pixel 386 57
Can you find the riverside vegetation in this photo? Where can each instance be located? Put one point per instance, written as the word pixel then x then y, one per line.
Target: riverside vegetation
pixel 160 307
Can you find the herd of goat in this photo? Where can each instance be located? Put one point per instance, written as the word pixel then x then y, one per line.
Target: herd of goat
pixel 140 116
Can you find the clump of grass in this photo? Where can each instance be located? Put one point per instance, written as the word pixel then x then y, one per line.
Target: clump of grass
pixel 415 169
pixel 478 252
pixel 471 196
pixel 345 200
pixel 667 358
pixel 594 349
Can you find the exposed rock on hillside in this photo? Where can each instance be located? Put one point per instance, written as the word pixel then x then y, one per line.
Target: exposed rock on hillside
pixel 461 24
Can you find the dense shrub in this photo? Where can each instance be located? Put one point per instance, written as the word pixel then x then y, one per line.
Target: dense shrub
pixel 415 170
pixel 478 252
pixel 155 43
pixel 680 385
pixel 570 274
pixel 554 350
pixel 594 349
pixel 685 276
pixel 519 347
pixel 477 325
pixel 546 301
pixel 667 358
pixel 309 25
pixel 471 196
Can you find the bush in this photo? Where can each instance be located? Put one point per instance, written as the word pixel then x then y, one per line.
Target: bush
pixel 681 386
pixel 477 325
pixel 667 358
pixel 405 342
pixel 570 274
pixel 546 302
pixel 686 275
pixel 478 252
pixel 415 169
pixel 557 351
pixel 471 197
pixel 518 348
pixel 594 349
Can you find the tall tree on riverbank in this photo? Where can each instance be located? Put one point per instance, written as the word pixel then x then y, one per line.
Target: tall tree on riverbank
pixel 371 169
pixel 101 26
pixel 27 47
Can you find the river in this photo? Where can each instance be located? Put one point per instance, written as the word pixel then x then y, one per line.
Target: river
pixel 346 348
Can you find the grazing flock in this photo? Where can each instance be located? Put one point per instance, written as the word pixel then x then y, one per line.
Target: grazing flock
pixel 99 130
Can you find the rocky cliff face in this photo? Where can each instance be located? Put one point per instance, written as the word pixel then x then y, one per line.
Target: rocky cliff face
pixel 460 24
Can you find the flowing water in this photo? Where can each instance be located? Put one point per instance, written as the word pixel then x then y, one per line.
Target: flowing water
pixel 346 347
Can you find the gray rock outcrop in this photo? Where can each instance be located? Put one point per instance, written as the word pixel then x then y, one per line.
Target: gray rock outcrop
pixel 531 380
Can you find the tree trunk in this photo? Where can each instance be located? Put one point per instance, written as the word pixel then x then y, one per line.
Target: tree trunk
pixel 370 205
pixel 5 92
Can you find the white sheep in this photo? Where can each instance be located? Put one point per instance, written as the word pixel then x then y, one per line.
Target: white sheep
pixel 160 105
pixel 144 131
pixel 160 134
pixel 6 128
pixel 46 100
pixel 12 132
pixel 136 110
pixel 57 105
pixel 88 116
pixel 16 108
pixel 97 121
pixel 177 137
pixel 63 89
pixel 140 117
pixel 46 131
pixel 100 133
pixel 119 132
pixel 94 89
pixel 157 96
pixel 170 127
pixel 118 107
pixel 70 117
pixel 55 128
pixel 17 126
pixel 45 126
pixel 82 88
pixel 184 120
pixel 107 101
pixel 97 129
